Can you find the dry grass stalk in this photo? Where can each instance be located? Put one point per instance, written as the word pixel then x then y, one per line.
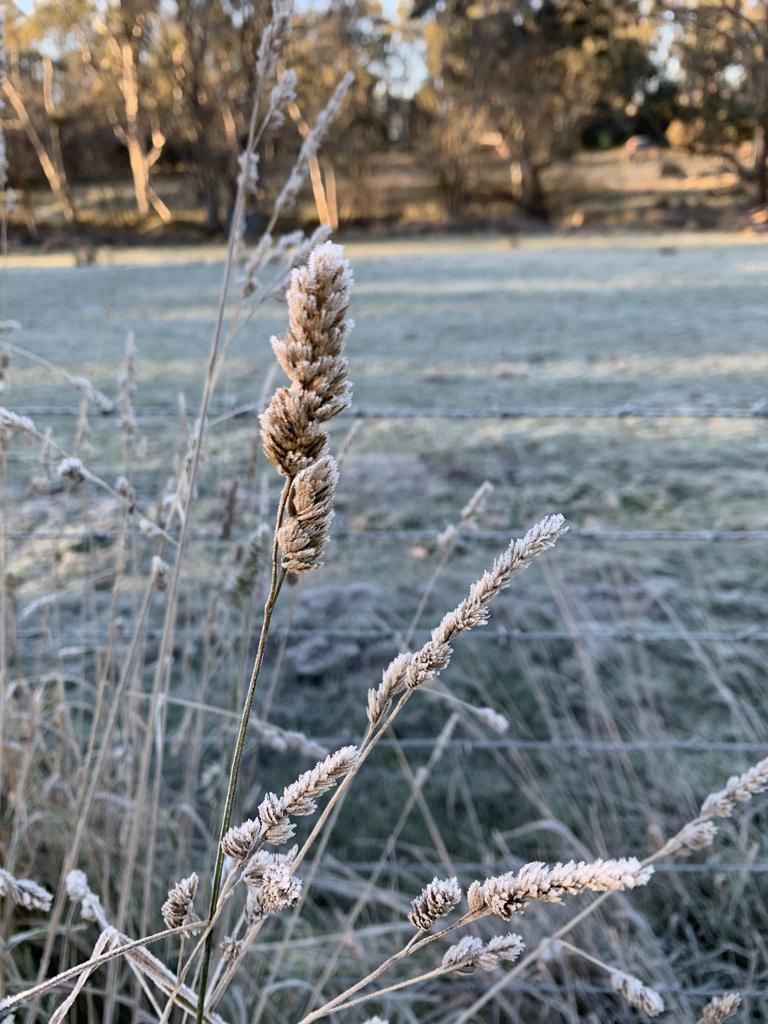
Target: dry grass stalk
pixel 5 362
pixel 92 394
pixel 126 386
pixel 3 151
pixel 311 145
pixel 300 797
pixel 312 356
pixel 700 833
pixel 690 836
pixel 242 580
pixel 12 423
pixel 739 789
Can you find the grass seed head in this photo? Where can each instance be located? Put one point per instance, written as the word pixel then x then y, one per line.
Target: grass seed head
pixel 636 994
pixel 737 790
pixel 509 894
pixel 304 533
pixel 177 908
pixel 24 892
pixel 436 900
pixel 720 1008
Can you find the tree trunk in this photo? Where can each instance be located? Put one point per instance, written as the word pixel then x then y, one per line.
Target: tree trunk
pixel 211 199
pixel 55 175
pixel 207 186
pixel 760 144
pixel 139 173
pixel 532 196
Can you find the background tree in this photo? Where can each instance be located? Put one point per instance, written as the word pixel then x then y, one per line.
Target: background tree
pixel 531 71
pixel 207 50
pixel 35 98
pixel 723 51
pixel 118 55
pixel 346 35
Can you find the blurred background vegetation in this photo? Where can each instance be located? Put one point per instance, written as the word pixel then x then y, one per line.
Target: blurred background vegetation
pixel 125 117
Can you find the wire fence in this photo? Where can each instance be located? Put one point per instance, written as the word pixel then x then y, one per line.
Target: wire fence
pixel 627 410
pixel 584 634
pixel 423 535
pixel 466 746
pixel 589 989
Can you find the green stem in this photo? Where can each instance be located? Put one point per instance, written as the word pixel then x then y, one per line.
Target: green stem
pixel 278 575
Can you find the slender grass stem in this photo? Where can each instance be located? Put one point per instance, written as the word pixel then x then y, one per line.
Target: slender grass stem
pixel 88 965
pixel 418 941
pixel 278 575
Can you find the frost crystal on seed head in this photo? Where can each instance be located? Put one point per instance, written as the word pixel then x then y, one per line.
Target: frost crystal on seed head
pixel 239 839
pixel 72 469
pixel 79 891
pixel 737 790
pixel 24 892
pixel 509 894
pixel 437 899
pixel 177 908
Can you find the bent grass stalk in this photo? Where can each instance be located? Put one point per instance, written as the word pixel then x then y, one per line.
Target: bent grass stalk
pixel 9 1004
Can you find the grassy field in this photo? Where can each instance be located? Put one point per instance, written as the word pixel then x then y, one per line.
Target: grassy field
pixel 655 642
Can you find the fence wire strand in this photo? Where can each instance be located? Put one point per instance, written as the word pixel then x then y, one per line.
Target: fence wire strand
pixel 626 410
pixel 415 535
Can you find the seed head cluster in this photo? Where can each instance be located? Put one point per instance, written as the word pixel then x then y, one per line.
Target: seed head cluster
pixel 437 899
pixel 636 994
pixel 720 1008
pixel 177 908
pixel 303 535
pixel 737 790
pixel 312 357
pixel 509 894
pixel 471 953
pixel 273 826
pixel 300 797
pixel 24 892
pixel 293 425
pixel 271 885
